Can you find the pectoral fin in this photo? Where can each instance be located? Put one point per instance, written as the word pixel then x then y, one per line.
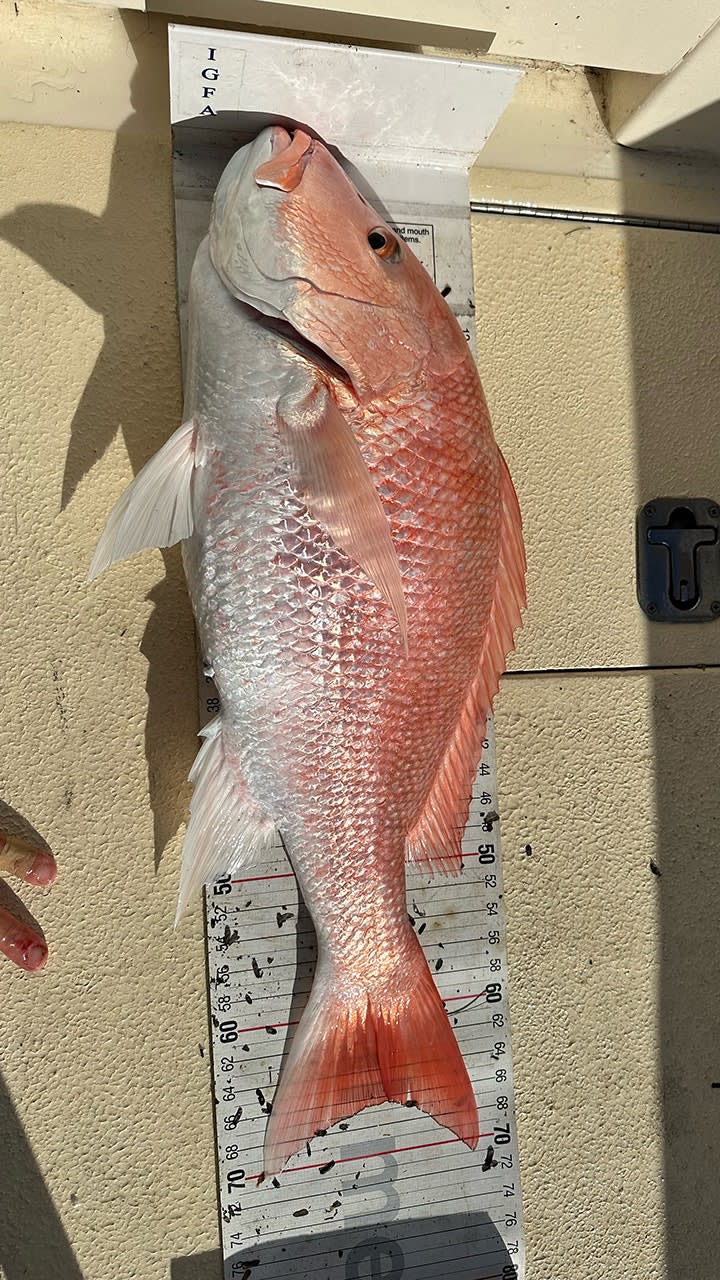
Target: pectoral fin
pixel 335 484
pixel 156 509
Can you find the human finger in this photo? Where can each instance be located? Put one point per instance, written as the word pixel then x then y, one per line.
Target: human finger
pixel 21 943
pixel 33 865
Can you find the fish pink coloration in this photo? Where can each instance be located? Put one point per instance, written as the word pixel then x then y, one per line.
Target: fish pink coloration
pixel 355 558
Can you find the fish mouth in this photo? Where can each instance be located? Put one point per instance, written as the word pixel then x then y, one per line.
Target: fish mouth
pixel 291 154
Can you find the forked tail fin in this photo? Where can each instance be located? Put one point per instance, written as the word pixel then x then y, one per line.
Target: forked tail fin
pixel 357 1050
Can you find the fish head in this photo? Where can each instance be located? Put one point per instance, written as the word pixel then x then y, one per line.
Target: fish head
pixel 292 236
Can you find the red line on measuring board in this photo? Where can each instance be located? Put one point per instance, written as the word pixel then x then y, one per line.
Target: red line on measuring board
pixel 263 1026
pixel 368 1155
pixel 279 875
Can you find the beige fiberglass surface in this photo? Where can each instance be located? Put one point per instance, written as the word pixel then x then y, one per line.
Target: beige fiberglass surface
pixel 106 1112
pixel 612 880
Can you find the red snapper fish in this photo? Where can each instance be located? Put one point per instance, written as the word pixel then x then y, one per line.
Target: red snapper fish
pixel 353 548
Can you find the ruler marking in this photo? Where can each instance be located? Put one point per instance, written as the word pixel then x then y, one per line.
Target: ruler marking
pixel 263 1026
pixel 278 875
pixel 467 1045
pixel 442 1257
pixel 223 912
pixel 306 1193
pixel 464 1258
pixel 368 1155
pixel 390 1125
pixel 315 1200
pixel 279 995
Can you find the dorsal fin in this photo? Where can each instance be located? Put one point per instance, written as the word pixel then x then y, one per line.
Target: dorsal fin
pixel 435 840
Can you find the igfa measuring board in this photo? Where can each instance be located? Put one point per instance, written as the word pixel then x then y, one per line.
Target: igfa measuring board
pixel 387 1193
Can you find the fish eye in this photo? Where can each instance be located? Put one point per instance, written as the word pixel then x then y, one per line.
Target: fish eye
pixel 385 245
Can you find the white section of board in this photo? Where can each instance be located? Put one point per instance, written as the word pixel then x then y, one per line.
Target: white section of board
pixel 412 124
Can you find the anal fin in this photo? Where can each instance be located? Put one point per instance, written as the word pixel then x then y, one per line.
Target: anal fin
pixel 227 827
pixel 435 840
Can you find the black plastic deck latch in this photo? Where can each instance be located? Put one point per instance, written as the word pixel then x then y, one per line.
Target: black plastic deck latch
pixel 678 559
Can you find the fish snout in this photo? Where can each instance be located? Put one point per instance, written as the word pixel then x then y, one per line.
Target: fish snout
pixel 290 156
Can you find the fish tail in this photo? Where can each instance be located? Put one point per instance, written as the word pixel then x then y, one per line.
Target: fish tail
pixel 357 1049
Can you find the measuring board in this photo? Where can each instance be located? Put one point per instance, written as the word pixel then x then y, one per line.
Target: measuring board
pixel 387 1193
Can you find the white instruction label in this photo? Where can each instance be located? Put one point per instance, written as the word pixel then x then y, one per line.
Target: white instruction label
pixel 421 238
